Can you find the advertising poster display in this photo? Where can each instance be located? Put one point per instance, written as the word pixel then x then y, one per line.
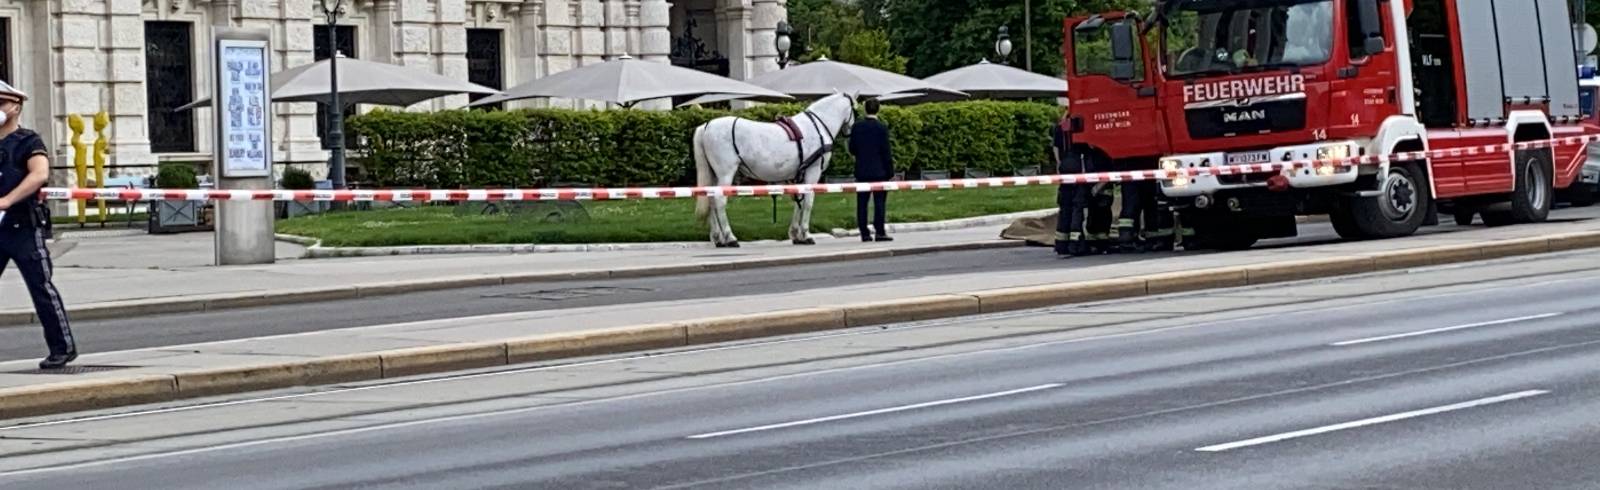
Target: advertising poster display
pixel 243 109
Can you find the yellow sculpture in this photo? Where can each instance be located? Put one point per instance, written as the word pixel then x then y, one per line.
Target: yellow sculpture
pixel 102 149
pixel 79 161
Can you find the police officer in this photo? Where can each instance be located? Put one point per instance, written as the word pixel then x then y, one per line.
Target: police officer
pixel 24 169
pixel 1070 198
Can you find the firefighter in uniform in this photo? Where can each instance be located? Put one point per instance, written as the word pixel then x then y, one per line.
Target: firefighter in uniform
pixel 1145 222
pixel 24 223
pixel 1100 198
pixel 1070 198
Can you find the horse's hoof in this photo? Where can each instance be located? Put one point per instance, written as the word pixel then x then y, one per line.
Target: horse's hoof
pixel 732 245
pixel 807 241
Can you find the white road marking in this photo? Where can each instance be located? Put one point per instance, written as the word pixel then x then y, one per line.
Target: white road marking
pixel 1445 329
pixel 764 343
pixel 880 411
pixel 1373 421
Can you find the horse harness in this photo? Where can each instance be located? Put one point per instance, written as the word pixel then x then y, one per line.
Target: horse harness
pixel 824 133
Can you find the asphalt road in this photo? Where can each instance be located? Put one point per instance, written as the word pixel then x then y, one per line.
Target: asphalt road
pixel 1480 376
pixel 23 341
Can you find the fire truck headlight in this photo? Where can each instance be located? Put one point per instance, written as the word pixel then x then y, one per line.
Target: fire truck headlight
pixel 1180 182
pixel 1170 164
pixel 1328 158
pixel 1334 152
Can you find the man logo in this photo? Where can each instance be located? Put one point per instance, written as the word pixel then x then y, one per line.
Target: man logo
pixel 1244 116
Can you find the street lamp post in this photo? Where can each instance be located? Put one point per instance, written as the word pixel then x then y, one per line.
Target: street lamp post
pixel 782 42
pixel 1027 34
pixel 335 109
pixel 1002 44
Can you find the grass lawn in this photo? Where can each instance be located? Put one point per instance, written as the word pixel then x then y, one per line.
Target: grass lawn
pixel 667 220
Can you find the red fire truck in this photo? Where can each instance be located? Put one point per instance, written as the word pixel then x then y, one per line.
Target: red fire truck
pixel 1203 83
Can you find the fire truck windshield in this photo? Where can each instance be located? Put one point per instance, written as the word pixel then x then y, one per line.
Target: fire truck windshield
pixel 1219 37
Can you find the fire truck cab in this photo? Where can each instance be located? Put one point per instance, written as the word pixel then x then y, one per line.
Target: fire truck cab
pixel 1224 82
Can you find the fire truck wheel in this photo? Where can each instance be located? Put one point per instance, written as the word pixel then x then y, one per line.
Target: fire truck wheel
pixel 1398 212
pixel 1345 225
pixel 1534 192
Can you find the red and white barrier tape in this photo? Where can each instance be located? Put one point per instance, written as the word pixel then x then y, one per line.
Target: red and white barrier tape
pixel 131 194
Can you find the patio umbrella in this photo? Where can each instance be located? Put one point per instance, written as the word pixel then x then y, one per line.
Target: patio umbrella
pixel 362 82
pixel 627 81
pixel 987 80
pixel 824 77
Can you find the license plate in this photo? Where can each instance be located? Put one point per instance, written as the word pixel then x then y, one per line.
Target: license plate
pixel 1249 157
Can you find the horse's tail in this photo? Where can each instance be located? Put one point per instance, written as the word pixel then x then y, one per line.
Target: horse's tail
pixel 703 175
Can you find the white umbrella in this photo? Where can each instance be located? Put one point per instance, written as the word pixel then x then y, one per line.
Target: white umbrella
pixel 627 81
pixel 994 81
pixel 824 77
pixel 987 80
pixel 362 82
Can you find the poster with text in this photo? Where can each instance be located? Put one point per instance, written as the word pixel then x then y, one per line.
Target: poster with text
pixel 242 109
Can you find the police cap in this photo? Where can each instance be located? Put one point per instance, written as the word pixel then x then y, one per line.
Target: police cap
pixel 10 93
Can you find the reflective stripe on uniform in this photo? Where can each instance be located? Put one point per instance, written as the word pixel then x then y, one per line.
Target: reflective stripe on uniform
pixel 50 288
pixel 1160 233
pixel 1125 223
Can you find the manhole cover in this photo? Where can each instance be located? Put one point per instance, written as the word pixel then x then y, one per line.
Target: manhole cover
pixel 72 370
pixel 569 293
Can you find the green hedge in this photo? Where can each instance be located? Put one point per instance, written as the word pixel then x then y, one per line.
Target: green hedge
pixel 542 147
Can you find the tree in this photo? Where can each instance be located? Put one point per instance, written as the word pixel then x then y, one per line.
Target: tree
pixel 938 35
pixel 871 48
pixel 821 26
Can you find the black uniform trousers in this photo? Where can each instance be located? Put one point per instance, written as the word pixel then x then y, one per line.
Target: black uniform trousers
pixel 880 206
pixel 25 247
pixel 1073 200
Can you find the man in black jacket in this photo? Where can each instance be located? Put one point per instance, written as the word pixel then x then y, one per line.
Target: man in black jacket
pixel 24 168
pixel 869 143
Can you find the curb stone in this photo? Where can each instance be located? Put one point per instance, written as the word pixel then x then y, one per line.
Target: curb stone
pixel 136 389
pixel 225 301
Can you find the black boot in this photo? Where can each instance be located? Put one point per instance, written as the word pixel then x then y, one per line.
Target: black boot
pixel 1128 241
pixel 1078 248
pixel 58 361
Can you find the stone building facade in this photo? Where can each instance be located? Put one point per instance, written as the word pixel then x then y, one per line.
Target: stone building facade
pixel 137 60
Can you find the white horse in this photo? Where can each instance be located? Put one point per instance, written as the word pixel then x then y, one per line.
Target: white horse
pixel 764 151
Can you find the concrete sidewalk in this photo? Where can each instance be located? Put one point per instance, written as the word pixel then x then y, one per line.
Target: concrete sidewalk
pixel 394 350
pixel 146 274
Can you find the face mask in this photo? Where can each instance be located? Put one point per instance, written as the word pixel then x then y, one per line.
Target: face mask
pixel 5 117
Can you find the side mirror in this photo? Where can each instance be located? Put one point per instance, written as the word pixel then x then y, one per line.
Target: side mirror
pixel 1122 43
pixel 1374 45
pixel 1371 26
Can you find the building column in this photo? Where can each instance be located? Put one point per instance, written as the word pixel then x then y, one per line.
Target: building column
pixel 528 32
pixel 452 28
pixel 763 34
pixel 384 16
pixel 558 47
pixel 733 27
pixel 655 36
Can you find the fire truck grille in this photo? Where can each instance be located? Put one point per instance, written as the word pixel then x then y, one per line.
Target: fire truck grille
pixel 1232 120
